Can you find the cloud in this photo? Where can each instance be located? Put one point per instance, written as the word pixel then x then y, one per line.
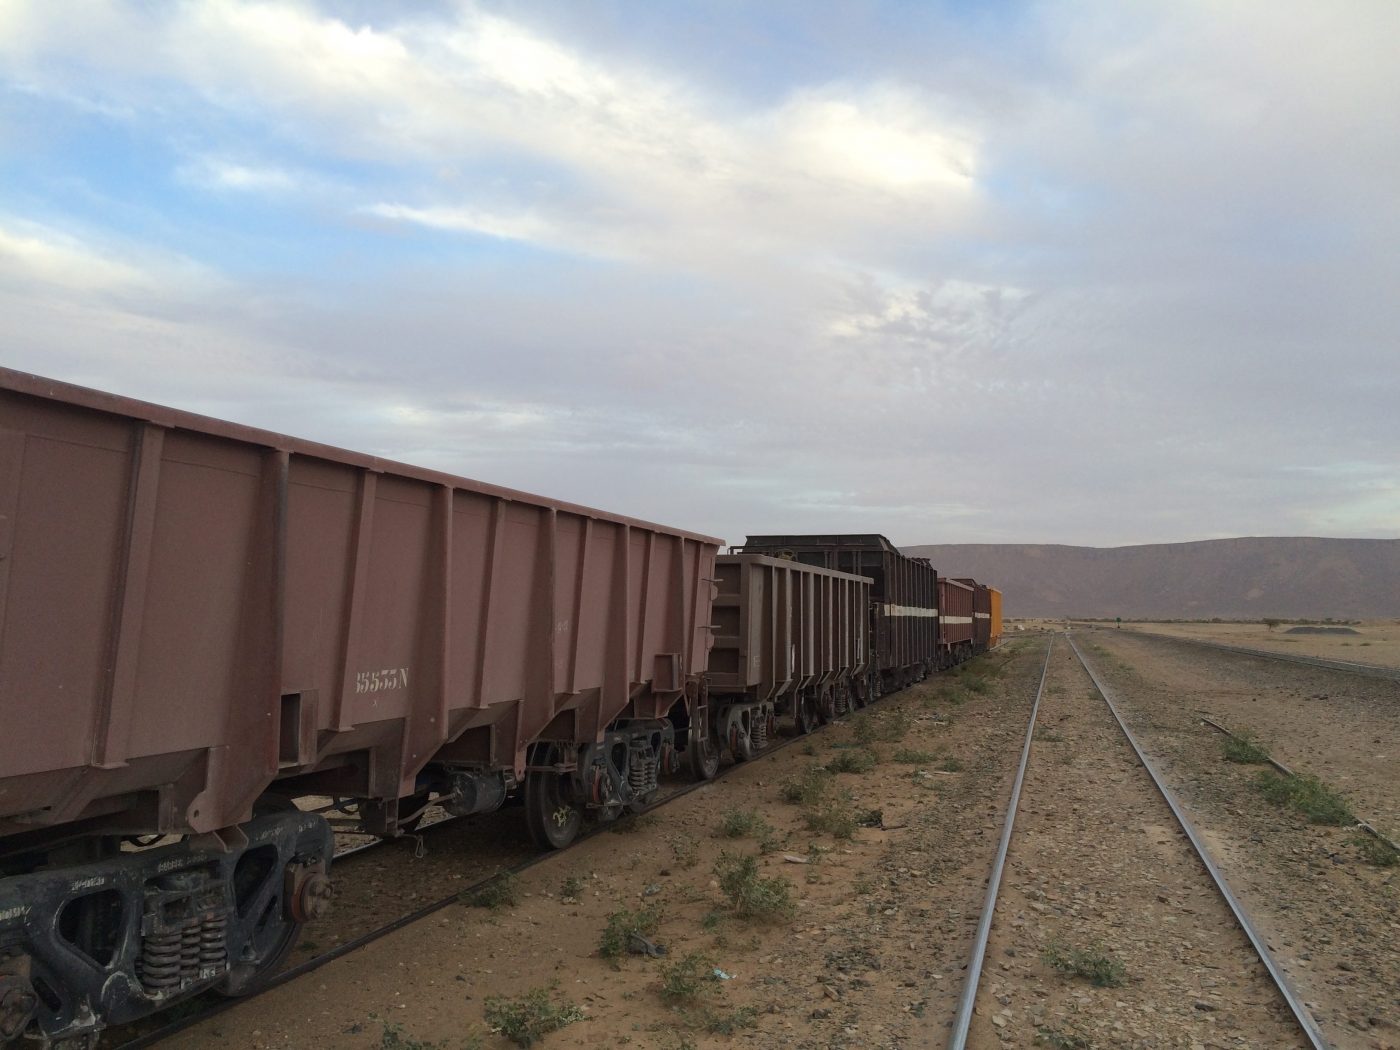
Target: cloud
pixel 32 253
pixel 887 141
pixel 42 258
pixel 219 174
pixel 526 228
pixel 1056 271
pixel 638 163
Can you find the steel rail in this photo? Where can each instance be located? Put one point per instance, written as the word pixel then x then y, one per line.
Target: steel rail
pixel 963 1019
pixel 219 1006
pixel 1300 1012
pixel 1267 758
pixel 1389 674
pixel 1364 825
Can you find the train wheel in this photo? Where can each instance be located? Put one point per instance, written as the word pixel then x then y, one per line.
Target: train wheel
pixel 258 890
pixel 702 755
pixel 741 743
pixel 551 812
pixel 805 717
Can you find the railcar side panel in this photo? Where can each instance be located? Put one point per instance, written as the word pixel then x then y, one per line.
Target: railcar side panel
pixel 904 593
pixel 955 600
pixel 63 490
pixel 981 614
pixel 190 609
pixel 784 626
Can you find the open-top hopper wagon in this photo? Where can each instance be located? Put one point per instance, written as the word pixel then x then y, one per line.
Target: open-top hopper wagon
pixel 201 623
pixel 903 600
pixel 791 641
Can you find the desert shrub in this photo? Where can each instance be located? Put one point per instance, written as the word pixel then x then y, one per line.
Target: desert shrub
pixel 1307 795
pixel 913 757
pixel 861 761
pixel 889 727
pixel 525 1019
pixel 685 980
pixel 1244 749
pixel 1376 852
pixel 571 888
pixel 896 724
pixel 833 815
pixel 621 925
pixel 736 823
pixel 500 892
pixel 394 1037
pixel 1098 968
pixel 751 895
pixel 685 850
pixel 806 787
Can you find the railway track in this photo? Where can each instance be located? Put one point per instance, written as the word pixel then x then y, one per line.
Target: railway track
pixel 973 991
pixel 1348 666
pixel 1361 823
pixel 212 1006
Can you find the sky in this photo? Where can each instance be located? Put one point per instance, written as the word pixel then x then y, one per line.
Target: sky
pixel 1046 272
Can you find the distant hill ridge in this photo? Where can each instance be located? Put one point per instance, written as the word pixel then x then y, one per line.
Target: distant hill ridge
pixel 1254 576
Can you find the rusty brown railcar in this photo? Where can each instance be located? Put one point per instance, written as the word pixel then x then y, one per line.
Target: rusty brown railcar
pixel 955 621
pixel 790 640
pixel 981 615
pixel 199 619
pixel 903 599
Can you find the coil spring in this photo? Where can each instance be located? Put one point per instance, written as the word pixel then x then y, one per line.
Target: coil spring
pixel 172 957
pixel 843 703
pixel 758 732
pixel 159 965
pixel 189 949
pixel 642 773
pixel 213 942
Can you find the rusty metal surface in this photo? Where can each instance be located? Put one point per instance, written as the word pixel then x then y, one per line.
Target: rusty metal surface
pixel 954 612
pixel 904 591
pixel 190 609
pixel 981 613
pixel 781 626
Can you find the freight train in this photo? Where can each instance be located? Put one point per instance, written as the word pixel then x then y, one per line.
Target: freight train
pixel 202 623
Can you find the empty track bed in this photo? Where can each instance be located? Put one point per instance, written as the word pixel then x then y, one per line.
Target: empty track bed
pixel 1108 929
pixel 1321 892
pixel 1367 670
